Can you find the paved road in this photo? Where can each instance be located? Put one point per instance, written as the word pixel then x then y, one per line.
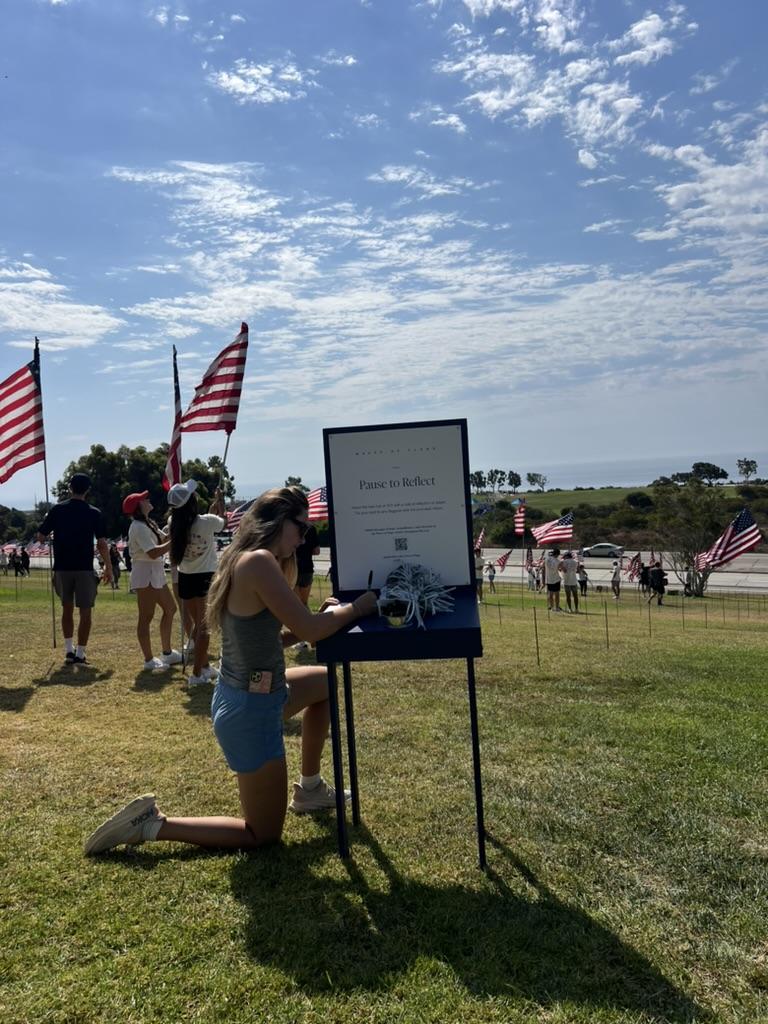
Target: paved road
pixel 747 573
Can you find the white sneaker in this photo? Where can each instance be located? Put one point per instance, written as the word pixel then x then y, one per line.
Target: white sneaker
pixel 136 822
pixel 309 801
pixel 194 681
pixel 154 663
pixel 208 673
pixel 174 658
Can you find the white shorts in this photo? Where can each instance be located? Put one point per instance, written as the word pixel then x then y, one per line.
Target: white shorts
pixel 148 574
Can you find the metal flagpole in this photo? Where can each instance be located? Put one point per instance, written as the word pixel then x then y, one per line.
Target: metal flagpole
pixel 47 498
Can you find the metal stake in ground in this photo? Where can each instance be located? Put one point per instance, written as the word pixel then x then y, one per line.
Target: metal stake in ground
pixel 536 634
pixel 607 642
pixel 649 618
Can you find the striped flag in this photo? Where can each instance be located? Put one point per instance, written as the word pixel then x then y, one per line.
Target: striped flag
pixel 520 517
pixel 502 561
pixel 741 535
pixel 172 474
pixel 217 397
pixel 234 517
pixel 633 567
pixel 479 541
pixel 556 530
pixel 318 504
pixel 22 438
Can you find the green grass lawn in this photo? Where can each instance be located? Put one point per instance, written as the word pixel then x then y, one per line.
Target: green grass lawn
pixel 553 501
pixel 625 794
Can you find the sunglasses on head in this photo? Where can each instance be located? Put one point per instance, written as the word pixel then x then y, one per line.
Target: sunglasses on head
pixel 302 526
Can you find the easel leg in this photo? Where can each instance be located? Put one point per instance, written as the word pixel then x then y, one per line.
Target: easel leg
pixel 338 770
pixel 476 762
pixel 349 713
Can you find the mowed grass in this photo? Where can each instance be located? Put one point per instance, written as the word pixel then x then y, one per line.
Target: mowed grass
pixel 625 793
pixel 554 501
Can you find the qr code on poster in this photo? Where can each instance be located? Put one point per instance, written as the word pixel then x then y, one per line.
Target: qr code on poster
pixel 401 543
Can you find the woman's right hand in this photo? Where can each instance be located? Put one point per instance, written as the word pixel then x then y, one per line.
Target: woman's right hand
pixel 366 603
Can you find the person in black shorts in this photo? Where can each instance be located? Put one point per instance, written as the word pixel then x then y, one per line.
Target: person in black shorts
pixel 74 524
pixel 306 571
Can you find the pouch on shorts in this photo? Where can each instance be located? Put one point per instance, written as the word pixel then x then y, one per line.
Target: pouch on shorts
pixel 260 682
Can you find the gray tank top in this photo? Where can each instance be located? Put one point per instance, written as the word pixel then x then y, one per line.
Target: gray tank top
pixel 251 643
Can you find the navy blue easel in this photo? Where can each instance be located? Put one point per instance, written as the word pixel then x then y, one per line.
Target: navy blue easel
pixel 454 635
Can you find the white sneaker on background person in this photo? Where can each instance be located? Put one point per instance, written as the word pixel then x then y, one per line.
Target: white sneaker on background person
pixel 153 663
pixel 172 658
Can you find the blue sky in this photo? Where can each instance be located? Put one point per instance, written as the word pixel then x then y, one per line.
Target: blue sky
pixel 548 216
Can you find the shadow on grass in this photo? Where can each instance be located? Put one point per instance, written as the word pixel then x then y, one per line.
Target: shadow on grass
pixel 340 936
pixel 15 698
pixel 73 675
pixel 153 681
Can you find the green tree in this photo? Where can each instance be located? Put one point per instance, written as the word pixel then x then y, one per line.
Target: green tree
pixel 131 470
pixel 686 520
pixel 537 480
pixel 495 478
pixel 708 471
pixel 295 481
pixel 639 499
pixel 681 478
pixel 477 480
pixel 746 467
pixel 513 480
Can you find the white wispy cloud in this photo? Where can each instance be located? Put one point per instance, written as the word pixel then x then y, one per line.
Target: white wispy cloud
pixel 433 114
pixel 276 82
pixel 338 60
pixel 703 83
pixel 33 302
pixel 421 181
pixel 646 40
pixel 609 226
pixel 587 159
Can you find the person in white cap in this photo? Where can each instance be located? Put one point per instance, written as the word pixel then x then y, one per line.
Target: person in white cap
pixel 147 546
pixel 193 550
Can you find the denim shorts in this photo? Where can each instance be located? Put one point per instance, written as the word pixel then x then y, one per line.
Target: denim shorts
pixel 248 726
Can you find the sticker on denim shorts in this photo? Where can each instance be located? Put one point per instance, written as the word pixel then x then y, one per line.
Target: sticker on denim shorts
pixel 260 682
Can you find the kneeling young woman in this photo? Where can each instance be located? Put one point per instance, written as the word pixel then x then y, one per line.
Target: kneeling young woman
pixel 250 598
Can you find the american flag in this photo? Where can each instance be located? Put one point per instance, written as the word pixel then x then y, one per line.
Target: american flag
pixel 217 397
pixel 520 518
pixel 502 561
pixel 557 529
pixel 22 438
pixel 633 567
pixel 172 474
pixel 234 517
pixel 318 504
pixel 479 541
pixel 741 535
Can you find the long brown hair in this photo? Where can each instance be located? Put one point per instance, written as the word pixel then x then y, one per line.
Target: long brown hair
pixel 259 527
pixel 180 523
pixel 141 518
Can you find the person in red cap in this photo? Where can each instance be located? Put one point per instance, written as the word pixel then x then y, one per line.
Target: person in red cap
pixel 147 546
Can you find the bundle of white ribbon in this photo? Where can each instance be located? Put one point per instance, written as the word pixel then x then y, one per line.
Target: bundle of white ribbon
pixel 420 589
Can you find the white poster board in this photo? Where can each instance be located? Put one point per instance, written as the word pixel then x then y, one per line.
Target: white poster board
pixel 399 494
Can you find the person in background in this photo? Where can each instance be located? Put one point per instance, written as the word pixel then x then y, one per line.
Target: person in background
pixel 193 551
pixel 148 546
pixel 552 579
pixel 657 583
pixel 616 580
pixel 251 595
pixel 479 567
pixel 24 558
pixel 569 569
pixel 531 576
pixel 3 562
pixel 644 578
pixel 490 568
pixel 74 524
pixel 583 578
pixel 305 567
pixel 114 558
